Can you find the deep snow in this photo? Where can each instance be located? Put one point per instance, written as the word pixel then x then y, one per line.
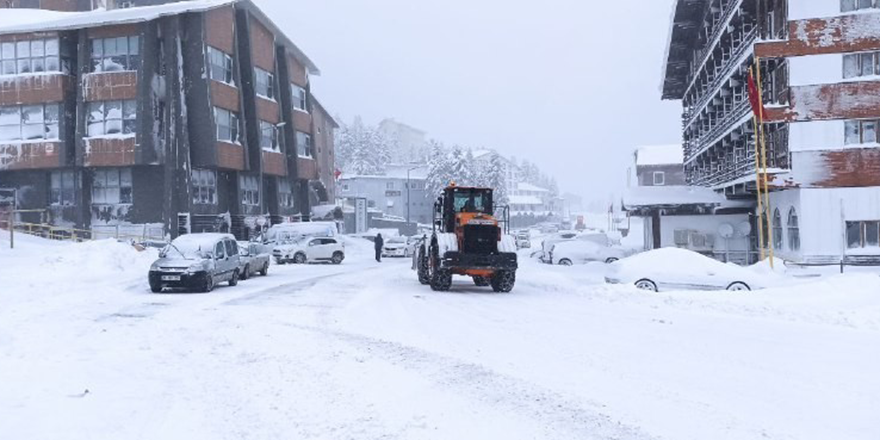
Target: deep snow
pixel 362 351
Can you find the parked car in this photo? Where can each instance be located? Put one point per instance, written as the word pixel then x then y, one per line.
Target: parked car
pixel 681 269
pixel 253 259
pixel 569 253
pixel 303 250
pixel 551 240
pixel 523 240
pixel 196 262
pixel 284 232
pixel 397 247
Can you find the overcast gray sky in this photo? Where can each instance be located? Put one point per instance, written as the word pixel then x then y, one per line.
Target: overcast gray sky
pixel 571 85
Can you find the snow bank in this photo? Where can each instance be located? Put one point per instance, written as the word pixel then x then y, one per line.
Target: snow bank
pixel 69 264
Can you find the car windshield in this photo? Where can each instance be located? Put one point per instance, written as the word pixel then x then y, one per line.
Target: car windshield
pixel 187 249
pixel 396 240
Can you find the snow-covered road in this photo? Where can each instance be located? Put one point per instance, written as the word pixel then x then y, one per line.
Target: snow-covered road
pixel 362 351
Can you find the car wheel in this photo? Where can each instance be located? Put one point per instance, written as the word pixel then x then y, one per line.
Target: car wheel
pixel 234 280
pixel 265 270
pixel 646 285
pixel 246 273
pixel 209 283
pixel 337 257
pixel 156 289
pixel 503 281
pixel 299 258
pixel 280 261
pixel 739 287
pixel 611 260
pixel 565 262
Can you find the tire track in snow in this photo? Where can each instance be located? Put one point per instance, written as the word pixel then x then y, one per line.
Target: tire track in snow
pixel 560 416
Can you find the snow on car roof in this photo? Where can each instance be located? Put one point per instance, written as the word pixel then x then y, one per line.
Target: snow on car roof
pixel 660 155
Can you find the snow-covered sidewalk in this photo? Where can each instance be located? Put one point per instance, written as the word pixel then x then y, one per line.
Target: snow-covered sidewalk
pixel 362 351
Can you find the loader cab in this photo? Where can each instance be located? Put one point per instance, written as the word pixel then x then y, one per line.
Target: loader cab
pixel 461 200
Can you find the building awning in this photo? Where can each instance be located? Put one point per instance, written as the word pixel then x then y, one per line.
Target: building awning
pixel 678 198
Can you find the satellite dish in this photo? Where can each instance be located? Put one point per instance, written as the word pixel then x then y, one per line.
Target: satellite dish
pixel 726 230
pixel 744 229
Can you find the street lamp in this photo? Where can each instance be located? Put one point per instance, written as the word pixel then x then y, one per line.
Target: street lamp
pixel 407 190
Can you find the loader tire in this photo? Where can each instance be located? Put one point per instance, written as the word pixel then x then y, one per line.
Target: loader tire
pixel 441 281
pixel 422 267
pixel 503 281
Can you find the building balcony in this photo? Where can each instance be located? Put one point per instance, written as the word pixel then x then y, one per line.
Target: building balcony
pixel 34 88
pixel 736 117
pixel 109 151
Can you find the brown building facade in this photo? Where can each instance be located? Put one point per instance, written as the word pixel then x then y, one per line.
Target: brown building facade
pixel 175 119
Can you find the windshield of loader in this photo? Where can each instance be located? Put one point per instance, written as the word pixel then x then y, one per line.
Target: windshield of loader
pixel 472 200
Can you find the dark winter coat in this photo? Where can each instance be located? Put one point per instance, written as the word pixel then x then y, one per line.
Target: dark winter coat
pixel 379 242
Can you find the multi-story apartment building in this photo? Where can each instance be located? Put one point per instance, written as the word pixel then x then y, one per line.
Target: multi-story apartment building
pixel 401 192
pixel 185 116
pixel 819 73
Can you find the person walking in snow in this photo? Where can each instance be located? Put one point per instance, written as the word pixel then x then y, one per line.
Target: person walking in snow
pixel 380 242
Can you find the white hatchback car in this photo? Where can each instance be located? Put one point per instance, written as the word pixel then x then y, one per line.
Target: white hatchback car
pixel 303 250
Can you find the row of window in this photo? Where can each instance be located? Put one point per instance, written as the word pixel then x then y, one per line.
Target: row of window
pixel 861 64
pixel 115 54
pixel 112 117
pixel 112 186
pixel 30 56
pixel 228 126
pixel 862 234
pixel 794 232
pixel 29 122
pixel 853 5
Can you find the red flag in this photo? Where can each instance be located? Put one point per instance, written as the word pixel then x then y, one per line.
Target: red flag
pixel 338 174
pixel 755 97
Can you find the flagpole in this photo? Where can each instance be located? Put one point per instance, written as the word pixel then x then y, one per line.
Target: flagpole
pixel 758 180
pixel 764 162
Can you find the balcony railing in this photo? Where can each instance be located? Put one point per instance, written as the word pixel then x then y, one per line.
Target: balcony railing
pixel 713 39
pixel 725 74
pixel 732 118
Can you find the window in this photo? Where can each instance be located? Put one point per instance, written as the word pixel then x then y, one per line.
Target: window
pixel 777 230
pixel 389 185
pixel 345 187
pixel 63 188
pixel 219 66
pixel 299 97
pixel 794 232
pixel 863 234
pixel 29 122
pixel 860 131
pixel 861 64
pixel 303 144
pixel 250 190
pixel 204 184
pixel 659 178
pixel 231 247
pixel 112 186
pixel 227 125
pixel 265 83
pixel 115 54
pixel 268 136
pixel 219 251
pixel 112 117
pixel 29 56
pixel 852 5
pixel 285 194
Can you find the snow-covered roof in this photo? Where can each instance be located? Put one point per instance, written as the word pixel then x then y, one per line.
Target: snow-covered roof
pixel 522 186
pixel 524 200
pixel 38 20
pixel 676 196
pixel 394 172
pixel 660 155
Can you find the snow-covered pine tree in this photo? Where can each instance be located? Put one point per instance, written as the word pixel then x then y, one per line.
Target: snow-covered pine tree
pixel 438 169
pixel 495 176
pixel 361 150
pixel 459 168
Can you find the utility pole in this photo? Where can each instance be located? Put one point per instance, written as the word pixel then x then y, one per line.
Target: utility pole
pixel 408 185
